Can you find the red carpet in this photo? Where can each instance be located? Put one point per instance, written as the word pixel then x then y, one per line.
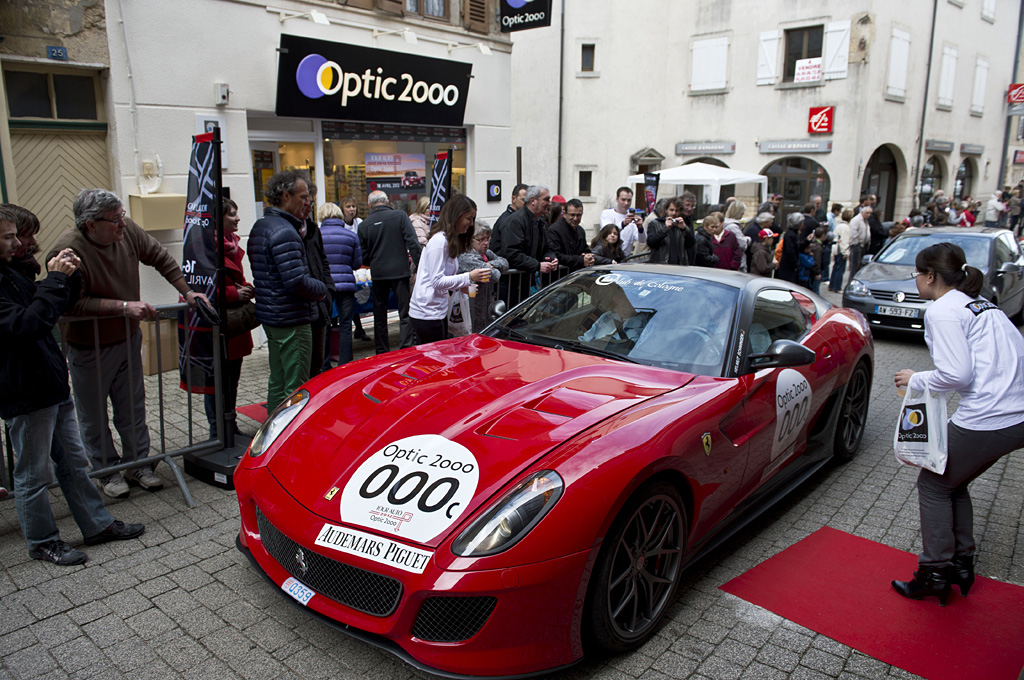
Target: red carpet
pixel 257 412
pixel 838 585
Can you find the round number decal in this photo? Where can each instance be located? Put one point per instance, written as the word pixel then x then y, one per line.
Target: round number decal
pixel 416 487
pixel 792 406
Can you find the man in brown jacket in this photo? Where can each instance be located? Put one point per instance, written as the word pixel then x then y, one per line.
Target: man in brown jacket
pixel 111 248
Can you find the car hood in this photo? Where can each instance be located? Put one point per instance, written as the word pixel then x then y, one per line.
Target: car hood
pixel 876 272
pixel 500 405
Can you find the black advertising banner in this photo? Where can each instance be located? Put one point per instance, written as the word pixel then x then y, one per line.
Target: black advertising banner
pixel 519 15
pixel 650 191
pixel 199 264
pixel 441 184
pixel 321 79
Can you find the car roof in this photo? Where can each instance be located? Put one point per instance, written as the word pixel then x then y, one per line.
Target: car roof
pixel 988 232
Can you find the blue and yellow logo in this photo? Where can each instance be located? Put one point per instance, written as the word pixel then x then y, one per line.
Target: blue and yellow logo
pixel 316 76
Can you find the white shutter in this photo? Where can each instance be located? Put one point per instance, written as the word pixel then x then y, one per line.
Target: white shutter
pixel 837 49
pixel 947 80
pixel 768 57
pixel 899 55
pixel 980 82
pixel 988 9
pixel 710 63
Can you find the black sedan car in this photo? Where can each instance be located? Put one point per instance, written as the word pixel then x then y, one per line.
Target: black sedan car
pixel 884 290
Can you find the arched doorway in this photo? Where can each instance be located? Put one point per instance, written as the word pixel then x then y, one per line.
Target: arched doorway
pixel 704 202
pixel 933 174
pixel 881 176
pixel 796 179
pixel 964 179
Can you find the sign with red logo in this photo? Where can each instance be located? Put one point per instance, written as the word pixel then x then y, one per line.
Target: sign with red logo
pixel 1018 157
pixel 820 119
pixel 1015 95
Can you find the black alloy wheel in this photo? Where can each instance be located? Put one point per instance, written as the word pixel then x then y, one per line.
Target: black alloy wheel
pixel 638 569
pixel 853 414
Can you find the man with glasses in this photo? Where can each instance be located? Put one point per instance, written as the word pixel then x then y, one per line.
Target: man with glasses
pixel 112 247
pixel 566 239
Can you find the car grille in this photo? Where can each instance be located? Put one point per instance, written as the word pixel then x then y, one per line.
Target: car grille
pixel 452 619
pixel 895 322
pixel 887 295
pixel 351 586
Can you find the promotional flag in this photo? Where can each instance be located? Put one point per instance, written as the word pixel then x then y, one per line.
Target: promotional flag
pixel 441 184
pixel 199 264
pixel 651 190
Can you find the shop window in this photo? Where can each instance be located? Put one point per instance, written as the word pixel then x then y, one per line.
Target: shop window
pixel 587 58
pixel 801 43
pixel 586 177
pixel 33 94
pixel 435 9
pixel 964 180
pixel 931 179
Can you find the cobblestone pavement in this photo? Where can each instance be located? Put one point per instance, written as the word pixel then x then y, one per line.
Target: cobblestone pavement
pixel 182 602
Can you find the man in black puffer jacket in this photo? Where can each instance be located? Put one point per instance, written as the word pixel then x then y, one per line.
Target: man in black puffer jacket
pixel 286 293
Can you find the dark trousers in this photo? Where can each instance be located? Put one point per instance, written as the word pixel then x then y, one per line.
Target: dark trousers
pixel 856 255
pixel 381 289
pixel 232 374
pixel 430 330
pixel 947 516
pixel 316 358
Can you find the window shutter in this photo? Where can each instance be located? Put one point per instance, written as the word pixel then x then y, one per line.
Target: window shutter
pixel 899 56
pixel 837 49
pixel 477 15
pixel 768 57
pixel 392 6
pixel 980 82
pixel 361 4
pixel 988 10
pixel 948 78
pixel 710 64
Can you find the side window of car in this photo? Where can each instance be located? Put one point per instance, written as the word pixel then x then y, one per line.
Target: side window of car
pixel 777 316
pixel 1006 250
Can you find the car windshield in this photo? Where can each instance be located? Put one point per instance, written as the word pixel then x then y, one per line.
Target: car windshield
pixel 674 322
pixel 904 249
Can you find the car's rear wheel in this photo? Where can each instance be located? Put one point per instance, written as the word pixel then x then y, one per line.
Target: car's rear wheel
pixel 853 413
pixel 638 569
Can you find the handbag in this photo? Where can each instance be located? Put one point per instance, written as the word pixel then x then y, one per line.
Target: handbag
pixel 241 319
pixel 459 322
pixel 920 439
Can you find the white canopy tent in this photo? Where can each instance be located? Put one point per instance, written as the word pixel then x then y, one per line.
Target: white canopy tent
pixel 712 177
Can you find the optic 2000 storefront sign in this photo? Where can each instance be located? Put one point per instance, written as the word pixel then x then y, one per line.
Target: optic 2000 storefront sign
pixel 321 79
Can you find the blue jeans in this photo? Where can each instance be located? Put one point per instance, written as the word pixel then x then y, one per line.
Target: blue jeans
pixel 41 438
pixel 838 271
pixel 101 374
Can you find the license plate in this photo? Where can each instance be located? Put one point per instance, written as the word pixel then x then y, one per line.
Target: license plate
pixel 896 311
pixel 297 590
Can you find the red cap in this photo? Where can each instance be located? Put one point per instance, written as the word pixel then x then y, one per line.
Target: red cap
pixel 558 198
pixel 766 233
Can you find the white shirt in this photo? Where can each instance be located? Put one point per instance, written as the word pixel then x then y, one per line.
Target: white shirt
pixel 354 227
pixel 978 353
pixel 434 278
pixel 860 233
pixel 629 235
pixel 993 208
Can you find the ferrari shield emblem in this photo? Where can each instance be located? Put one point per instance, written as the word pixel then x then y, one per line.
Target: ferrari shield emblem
pixel 706 440
pixel 330 494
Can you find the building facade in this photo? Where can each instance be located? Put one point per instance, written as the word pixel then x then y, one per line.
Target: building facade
pixel 361 93
pixel 824 97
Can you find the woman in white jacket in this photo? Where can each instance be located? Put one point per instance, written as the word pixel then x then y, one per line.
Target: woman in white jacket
pixel 435 276
pixel 841 250
pixel 978 353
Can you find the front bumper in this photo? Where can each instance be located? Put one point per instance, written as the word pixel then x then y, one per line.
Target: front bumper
pixel 528 623
pixel 870 306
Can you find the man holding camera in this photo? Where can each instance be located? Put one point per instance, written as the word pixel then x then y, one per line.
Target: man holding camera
pixel 628 220
pixel 670 238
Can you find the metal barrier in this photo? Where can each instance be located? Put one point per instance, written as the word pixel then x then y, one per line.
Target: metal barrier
pixel 166 314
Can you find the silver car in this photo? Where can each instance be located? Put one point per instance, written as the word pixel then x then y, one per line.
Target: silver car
pixel 884 290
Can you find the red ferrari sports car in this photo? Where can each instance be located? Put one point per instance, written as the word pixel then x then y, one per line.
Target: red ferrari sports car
pixel 498 504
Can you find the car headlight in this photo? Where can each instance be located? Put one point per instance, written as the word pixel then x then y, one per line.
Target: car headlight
pixel 857 287
pixel 275 424
pixel 512 517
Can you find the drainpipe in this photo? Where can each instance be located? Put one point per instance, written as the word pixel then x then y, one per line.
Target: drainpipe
pixel 561 96
pixel 1009 119
pixel 924 107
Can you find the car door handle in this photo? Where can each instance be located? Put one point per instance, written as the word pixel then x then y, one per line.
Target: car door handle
pixel 826 351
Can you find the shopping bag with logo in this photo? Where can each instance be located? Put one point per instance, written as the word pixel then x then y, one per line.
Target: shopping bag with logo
pixel 920 439
pixel 459 322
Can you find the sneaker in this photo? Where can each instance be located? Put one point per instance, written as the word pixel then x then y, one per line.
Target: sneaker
pixel 3 492
pixel 58 552
pixel 145 478
pixel 115 487
pixel 118 531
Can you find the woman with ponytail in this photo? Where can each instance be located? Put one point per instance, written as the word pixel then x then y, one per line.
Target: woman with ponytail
pixel 979 354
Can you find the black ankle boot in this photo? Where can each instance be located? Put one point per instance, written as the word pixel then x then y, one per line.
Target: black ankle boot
pixel 962 573
pixel 927 581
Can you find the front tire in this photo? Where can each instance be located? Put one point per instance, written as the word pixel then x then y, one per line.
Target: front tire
pixel 853 413
pixel 638 569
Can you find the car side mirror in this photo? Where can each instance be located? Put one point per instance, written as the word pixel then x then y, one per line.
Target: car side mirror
pixel 783 353
pixel 1009 268
pixel 497 309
